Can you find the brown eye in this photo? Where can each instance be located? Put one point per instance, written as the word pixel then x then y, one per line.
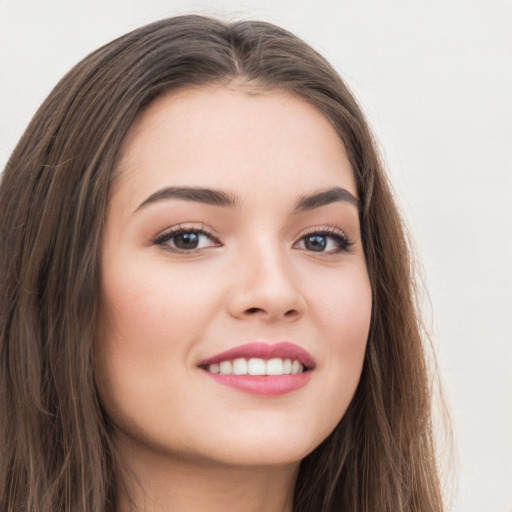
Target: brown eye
pixel 324 242
pixel 186 240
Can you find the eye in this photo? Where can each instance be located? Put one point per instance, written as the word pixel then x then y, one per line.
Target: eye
pixel 324 241
pixel 186 240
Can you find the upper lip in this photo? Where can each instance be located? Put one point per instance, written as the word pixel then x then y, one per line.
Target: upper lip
pixel 284 350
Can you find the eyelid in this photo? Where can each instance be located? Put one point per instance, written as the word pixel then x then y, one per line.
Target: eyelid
pixel 340 237
pixel 168 233
pixel 331 231
pixel 326 230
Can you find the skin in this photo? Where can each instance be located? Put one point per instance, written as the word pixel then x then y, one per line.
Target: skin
pixel 187 441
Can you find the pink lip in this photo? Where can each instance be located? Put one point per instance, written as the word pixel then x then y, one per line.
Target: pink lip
pixel 266 385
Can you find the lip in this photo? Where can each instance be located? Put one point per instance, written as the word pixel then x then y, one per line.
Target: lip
pixel 265 385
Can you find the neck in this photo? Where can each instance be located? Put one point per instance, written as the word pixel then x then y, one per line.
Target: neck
pixel 159 482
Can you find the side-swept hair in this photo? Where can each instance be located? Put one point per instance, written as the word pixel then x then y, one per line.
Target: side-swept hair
pixel 55 448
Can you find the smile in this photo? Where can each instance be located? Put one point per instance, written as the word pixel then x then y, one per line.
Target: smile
pixel 261 368
pixel 257 366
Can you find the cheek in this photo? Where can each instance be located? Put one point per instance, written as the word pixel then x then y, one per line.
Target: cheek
pixel 342 305
pixel 149 321
pixel 154 308
pixel 342 312
pixel 145 329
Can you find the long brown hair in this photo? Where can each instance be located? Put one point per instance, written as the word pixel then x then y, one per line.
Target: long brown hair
pixel 55 450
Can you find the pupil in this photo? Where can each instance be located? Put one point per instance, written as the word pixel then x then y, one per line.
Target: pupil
pixel 187 241
pixel 316 243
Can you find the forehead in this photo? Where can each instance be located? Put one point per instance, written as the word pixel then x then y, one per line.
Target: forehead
pixel 232 137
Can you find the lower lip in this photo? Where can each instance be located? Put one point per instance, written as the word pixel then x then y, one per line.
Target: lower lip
pixel 267 385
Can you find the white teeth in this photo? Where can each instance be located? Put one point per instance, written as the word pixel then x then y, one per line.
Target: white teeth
pixel 296 367
pixel 240 366
pixel 214 368
pixel 274 367
pixel 226 367
pixel 257 366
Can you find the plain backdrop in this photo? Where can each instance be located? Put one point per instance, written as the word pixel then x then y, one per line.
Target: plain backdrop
pixel 435 80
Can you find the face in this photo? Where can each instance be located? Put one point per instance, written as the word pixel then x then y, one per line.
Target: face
pixel 235 303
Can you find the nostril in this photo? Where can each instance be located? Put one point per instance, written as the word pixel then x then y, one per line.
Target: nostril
pixel 291 313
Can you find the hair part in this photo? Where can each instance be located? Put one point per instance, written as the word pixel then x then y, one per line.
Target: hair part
pixel 55 448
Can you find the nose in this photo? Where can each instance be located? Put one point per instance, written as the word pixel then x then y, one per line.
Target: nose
pixel 265 287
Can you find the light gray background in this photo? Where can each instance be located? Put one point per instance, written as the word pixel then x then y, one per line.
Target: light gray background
pixel 435 79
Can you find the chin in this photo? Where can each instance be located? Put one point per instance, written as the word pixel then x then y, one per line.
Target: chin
pixel 271 446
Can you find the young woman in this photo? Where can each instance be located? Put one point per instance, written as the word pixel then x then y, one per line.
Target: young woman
pixel 207 301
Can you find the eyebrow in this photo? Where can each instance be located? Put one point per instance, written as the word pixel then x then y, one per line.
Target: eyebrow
pixel 325 197
pixel 198 195
pixel 225 199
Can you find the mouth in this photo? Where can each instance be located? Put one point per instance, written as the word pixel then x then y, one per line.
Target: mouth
pixel 256 366
pixel 261 368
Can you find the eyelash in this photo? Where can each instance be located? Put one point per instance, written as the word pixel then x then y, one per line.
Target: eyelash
pixel 340 239
pixel 167 236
